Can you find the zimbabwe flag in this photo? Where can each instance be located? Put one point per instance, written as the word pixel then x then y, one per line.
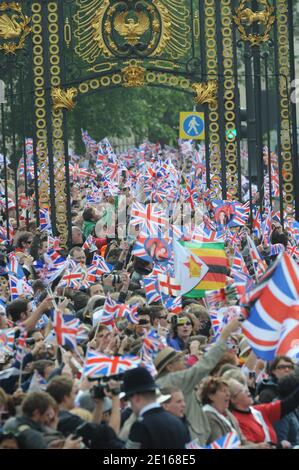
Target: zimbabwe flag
pixel 214 256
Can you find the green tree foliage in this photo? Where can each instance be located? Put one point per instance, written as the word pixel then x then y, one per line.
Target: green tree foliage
pixel 147 113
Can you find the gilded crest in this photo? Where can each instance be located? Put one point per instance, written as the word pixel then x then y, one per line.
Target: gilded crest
pixel 133 76
pixel 112 28
pixel 14 27
pixel 131 29
pixel 205 93
pixel 246 18
pixel 63 99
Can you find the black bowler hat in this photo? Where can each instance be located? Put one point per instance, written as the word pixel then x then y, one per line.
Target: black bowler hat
pixel 138 380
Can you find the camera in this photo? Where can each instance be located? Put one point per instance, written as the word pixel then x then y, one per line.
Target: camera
pixel 116 279
pixel 115 391
pixel 98 392
pixel 30 341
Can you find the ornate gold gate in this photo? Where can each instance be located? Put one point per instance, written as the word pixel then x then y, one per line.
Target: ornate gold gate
pixel 208 48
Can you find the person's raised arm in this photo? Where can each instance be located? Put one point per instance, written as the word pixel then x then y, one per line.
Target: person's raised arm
pixel 114 421
pixel 43 307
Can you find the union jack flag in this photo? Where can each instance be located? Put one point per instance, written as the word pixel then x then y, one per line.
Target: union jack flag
pixel 273 303
pixel 241 214
pixel 152 343
pixel 11 232
pixel 109 311
pixel 89 244
pixel 148 364
pixel 266 228
pixel 229 441
pixel 100 263
pixel 216 298
pixel 94 197
pixel 29 169
pixel 72 280
pixel 293 250
pixel 205 234
pixel 191 192
pixel 7 340
pixel 239 269
pixel 173 305
pixel 13 266
pixel 150 217
pixel 257 223
pixel 276 249
pixel 44 220
pixel 91 277
pixel 101 158
pixel 193 445
pixel 90 144
pixel 24 202
pixel 151 287
pixel 139 249
pixel 3 234
pixel 289 337
pixel 2 306
pixel 294 225
pixel 258 264
pixel 21 345
pixel 53 243
pixel 217 324
pixel 54 259
pixel 233 238
pixel 112 172
pixel 15 286
pixel 66 328
pixel 77 172
pixel 98 365
pixel 106 148
pixel 127 311
pixel 114 310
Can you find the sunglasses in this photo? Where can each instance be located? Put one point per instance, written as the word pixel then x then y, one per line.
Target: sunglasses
pixel 185 323
pixel 286 366
pixel 143 322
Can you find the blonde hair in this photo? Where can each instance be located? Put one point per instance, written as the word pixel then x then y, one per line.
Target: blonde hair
pixel 137 299
pixel 234 386
pixel 236 375
pixel 83 414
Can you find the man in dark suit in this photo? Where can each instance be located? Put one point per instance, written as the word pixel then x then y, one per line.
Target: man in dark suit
pixel 155 428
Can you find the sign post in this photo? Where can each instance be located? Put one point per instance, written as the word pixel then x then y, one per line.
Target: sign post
pixel 192 126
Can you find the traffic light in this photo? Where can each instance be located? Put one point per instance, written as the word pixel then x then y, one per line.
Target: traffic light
pixel 231 134
pixel 243 123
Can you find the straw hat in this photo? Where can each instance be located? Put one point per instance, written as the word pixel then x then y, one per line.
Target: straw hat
pixel 244 347
pixel 165 357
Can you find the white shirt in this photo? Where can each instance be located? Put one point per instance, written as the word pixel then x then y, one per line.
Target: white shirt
pixel 151 406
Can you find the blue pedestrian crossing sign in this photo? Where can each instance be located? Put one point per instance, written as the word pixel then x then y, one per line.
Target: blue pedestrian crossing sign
pixel 192 125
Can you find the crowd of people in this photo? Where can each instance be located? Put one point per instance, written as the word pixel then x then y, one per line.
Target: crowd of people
pixel 97 352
